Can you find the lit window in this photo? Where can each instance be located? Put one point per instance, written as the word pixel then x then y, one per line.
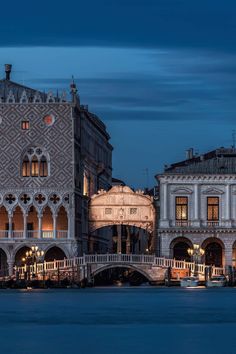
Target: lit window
pixel 86 185
pixel 34 167
pixel 212 208
pixel 43 167
pixel 35 163
pixel 26 167
pixel 25 125
pixel 181 208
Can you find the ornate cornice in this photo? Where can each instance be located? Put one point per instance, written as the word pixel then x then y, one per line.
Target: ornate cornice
pixel 197 177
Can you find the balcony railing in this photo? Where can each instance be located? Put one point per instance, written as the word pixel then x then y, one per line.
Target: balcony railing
pixel 17 234
pixel 3 234
pixel 47 234
pixel 182 223
pixel 213 223
pixel 33 234
pixel 206 224
pixel 62 234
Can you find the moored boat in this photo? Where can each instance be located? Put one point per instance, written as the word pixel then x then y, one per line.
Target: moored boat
pixel 216 282
pixel 189 282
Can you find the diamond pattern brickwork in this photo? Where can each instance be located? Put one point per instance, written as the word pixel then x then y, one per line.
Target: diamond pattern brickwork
pixel 56 139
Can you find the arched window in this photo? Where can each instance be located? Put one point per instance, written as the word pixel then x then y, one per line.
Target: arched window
pixel 34 166
pixel 35 163
pixel 26 167
pixel 43 167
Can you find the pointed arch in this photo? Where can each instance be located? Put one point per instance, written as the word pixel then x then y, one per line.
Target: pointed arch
pixel 43 167
pixel 47 223
pixel 25 167
pixel 34 166
pixel 32 222
pixel 35 162
pixel 62 223
pixel 18 223
pixel 4 222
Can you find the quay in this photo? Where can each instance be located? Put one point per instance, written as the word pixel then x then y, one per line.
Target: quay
pixel 81 271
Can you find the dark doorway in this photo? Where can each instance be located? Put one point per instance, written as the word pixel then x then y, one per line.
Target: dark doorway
pixel 180 251
pixel 54 253
pixel 213 254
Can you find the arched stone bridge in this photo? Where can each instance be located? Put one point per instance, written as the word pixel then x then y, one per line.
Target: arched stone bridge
pixel 152 267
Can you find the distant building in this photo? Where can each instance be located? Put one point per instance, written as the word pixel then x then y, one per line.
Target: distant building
pixel 54 154
pixel 198 205
pixel 117 182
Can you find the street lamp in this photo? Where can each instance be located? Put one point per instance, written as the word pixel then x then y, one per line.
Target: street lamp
pixel 196 254
pixel 31 258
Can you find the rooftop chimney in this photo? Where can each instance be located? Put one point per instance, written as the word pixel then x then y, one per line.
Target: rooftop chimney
pixel 8 71
pixel 189 154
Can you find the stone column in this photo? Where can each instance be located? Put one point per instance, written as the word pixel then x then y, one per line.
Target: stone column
pixel 25 225
pixel 228 255
pixel 196 198
pixel 119 239
pixel 196 206
pixel 10 263
pixel 227 204
pixel 165 216
pixel 128 240
pixel 54 225
pixel 40 226
pixel 10 226
pixel 164 222
pixel 69 225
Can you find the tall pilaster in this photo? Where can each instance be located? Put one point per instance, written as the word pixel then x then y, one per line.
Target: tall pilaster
pixel 128 240
pixel 118 238
pixel 25 225
pixel 54 225
pixel 227 203
pixel 40 226
pixel 196 221
pixel 10 225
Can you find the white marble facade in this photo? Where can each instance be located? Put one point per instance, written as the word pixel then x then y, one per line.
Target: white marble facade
pixel 197 228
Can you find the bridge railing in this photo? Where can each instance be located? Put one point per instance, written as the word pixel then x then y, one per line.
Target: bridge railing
pixel 144 259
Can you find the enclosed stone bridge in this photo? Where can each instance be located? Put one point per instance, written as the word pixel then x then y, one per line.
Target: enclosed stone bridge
pixel 123 206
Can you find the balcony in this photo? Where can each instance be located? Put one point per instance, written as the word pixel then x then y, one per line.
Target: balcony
pixel 33 234
pixel 201 224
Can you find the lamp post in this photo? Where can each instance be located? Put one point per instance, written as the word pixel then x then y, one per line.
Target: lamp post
pixel 196 254
pixel 31 258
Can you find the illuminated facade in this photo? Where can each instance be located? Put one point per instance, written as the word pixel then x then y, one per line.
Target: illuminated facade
pixel 198 205
pixel 53 153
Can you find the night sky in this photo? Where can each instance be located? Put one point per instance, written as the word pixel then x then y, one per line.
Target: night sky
pixel 160 73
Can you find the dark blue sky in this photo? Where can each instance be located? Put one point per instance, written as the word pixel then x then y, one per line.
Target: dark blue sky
pixel 161 73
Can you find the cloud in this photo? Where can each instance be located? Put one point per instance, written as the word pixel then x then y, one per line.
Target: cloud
pixel 129 23
pixel 166 85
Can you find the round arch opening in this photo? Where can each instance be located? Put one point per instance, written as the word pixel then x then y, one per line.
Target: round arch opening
pixel 21 254
pixel 3 263
pixel 54 253
pixel 214 252
pixel 179 249
pixel 4 222
pixel 119 275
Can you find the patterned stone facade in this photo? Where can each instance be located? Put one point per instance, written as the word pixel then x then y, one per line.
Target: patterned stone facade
pixel 42 167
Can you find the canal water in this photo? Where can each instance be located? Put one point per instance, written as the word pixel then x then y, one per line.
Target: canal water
pixel 120 320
